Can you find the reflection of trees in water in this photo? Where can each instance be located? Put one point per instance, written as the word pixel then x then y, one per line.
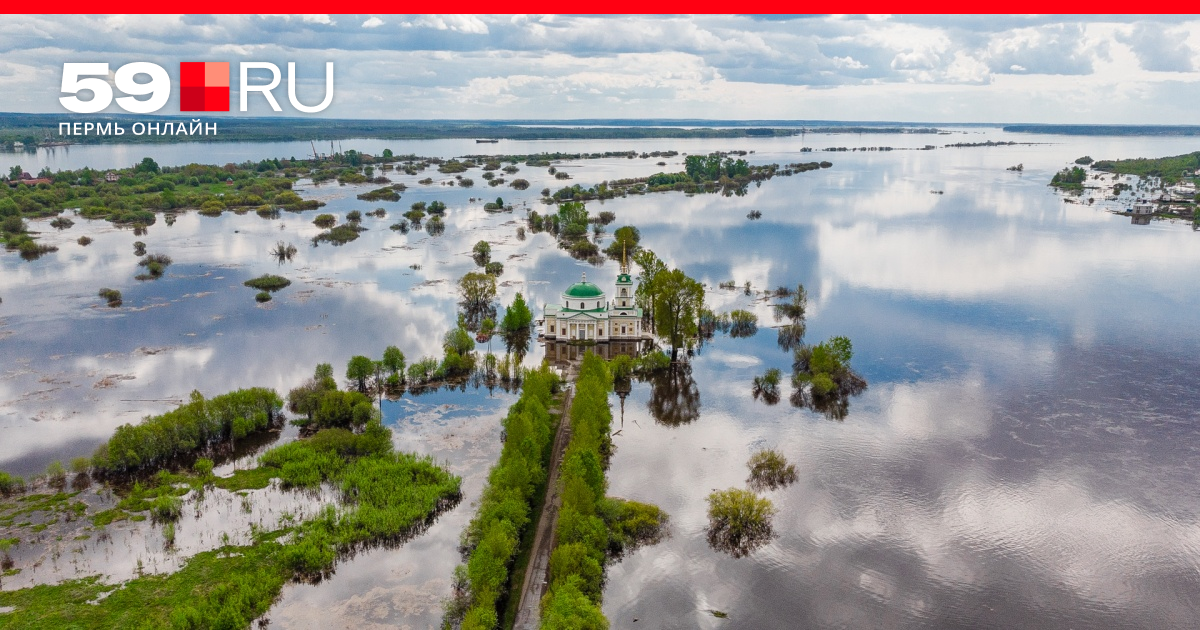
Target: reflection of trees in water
pixel 674 396
pixel 471 315
pixel 834 405
pixel 739 545
pixel 791 336
pixel 517 344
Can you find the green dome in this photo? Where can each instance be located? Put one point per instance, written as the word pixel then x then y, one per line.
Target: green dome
pixel 583 290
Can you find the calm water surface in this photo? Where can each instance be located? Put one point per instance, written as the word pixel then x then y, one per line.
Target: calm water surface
pixel 1024 455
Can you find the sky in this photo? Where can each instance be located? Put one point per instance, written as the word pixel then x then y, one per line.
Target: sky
pixel 1028 68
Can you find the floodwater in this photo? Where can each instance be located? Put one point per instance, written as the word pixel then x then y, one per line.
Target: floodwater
pixel 1023 456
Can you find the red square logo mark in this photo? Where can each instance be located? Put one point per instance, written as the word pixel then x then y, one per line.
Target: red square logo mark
pixel 204 86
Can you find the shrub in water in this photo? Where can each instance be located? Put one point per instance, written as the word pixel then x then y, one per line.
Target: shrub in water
pixel 268 282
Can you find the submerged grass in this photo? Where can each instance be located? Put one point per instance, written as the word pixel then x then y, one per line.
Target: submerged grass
pixel 384 497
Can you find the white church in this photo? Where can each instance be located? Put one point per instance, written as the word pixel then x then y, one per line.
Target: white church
pixel 586 314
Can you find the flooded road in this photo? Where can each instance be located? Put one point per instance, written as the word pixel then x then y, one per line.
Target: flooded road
pixel 1024 454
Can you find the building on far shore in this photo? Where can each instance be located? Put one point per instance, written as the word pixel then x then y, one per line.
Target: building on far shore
pixel 586 314
pixel 1142 207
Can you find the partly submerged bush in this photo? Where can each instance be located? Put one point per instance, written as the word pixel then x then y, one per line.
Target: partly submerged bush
pixel 739 521
pixel 769 469
pixel 267 282
pixel 112 296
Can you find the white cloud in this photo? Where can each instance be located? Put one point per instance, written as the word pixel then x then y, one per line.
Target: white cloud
pixel 372 22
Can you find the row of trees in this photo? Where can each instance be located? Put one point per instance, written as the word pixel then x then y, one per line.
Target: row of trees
pixel 191 427
pixel 492 538
pixel 591 527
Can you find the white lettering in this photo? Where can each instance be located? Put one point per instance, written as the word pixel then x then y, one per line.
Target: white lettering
pixel 292 89
pixel 71 82
pixel 246 66
pixel 158 87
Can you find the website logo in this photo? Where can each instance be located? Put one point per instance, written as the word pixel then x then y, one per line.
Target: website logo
pixel 204 86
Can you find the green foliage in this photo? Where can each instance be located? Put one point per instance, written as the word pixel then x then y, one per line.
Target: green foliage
pixel 482 253
pixel 268 282
pixel 111 296
pixel 262 296
pixel 339 235
pixel 1069 178
pixel 567 607
pixel 359 369
pixel 707 168
pixel 477 290
pixel 650 266
pixel 458 340
pixel 10 484
pixel 306 398
pixel 739 520
pixel 631 524
pixel 1169 169
pixel 625 242
pixel 203 467
pixel 166 508
pixel 572 220
pixel 769 469
pixel 192 426
pixel 742 323
pixel 325 221
pixel 590 526
pixel 505 507
pixel 422 370
pixel 393 360
pixel 677 302
pixel 155 264
pixel 336 408
pixel 517 317
pixel 384 496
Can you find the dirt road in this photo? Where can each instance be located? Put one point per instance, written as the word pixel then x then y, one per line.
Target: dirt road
pixel 537 573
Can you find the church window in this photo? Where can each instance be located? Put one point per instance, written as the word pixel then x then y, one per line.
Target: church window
pixel 623 293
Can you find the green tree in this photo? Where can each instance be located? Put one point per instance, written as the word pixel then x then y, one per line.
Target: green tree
pixel 458 341
pixel 677 303
pixel 323 371
pixel 393 359
pixel 517 317
pixel 650 266
pixel 15 172
pixel 147 165
pixel 625 240
pixel 477 290
pixel 359 369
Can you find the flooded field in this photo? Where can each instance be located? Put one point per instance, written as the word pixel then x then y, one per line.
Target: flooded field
pixel 1024 454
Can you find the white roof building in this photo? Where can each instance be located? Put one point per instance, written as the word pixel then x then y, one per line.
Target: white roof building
pixel 586 314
